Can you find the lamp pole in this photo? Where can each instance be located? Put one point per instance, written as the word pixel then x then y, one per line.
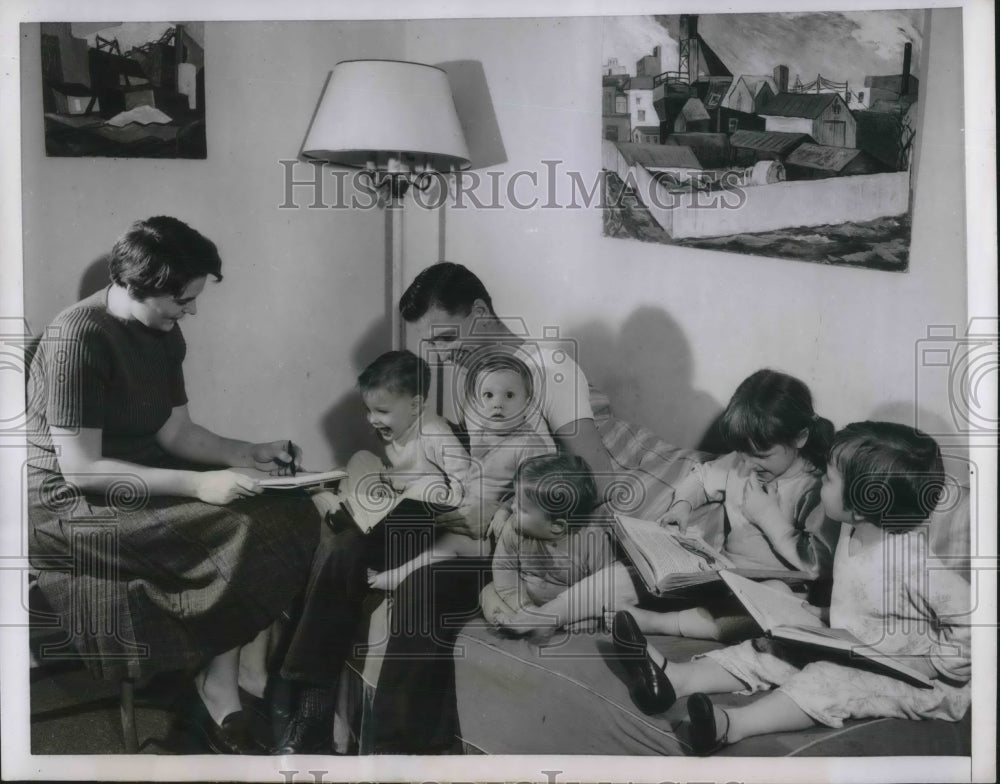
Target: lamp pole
pixel 394 243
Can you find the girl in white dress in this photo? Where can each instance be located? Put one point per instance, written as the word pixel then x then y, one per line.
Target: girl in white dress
pixel 882 482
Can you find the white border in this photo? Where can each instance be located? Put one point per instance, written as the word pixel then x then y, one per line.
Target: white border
pixel 980 157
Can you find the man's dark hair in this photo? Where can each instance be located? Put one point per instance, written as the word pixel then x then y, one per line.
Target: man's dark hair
pixel 160 256
pixel 446 285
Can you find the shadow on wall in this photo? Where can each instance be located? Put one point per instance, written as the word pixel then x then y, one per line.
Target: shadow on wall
pixel 647 370
pixel 344 424
pixel 474 105
pixel 954 445
pixel 94 278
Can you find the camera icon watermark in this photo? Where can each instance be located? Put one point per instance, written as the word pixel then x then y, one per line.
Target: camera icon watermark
pixel 77 603
pixel 547 363
pixel 959 369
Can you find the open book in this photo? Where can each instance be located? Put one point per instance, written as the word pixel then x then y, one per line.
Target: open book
pixel 782 616
pixel 369 498
pixel 669 562
pixel 302 479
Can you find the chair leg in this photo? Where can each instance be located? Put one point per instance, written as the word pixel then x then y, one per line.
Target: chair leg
pixel 129 733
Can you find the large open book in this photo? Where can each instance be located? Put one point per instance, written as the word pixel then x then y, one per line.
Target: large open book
pixel 782 616
pixel 369 498
pixel 670 562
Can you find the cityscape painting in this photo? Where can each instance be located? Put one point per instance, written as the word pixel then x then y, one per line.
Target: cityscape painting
pixel 124 89
pixel 788 135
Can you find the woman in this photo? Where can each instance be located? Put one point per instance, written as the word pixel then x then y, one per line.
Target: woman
pixel 202 562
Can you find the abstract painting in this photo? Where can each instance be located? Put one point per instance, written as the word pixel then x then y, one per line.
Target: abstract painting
pixel 788 135
pixel 124 90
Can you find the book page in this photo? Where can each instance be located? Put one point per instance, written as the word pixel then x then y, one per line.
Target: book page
pixel 668 552
pixel 769 606
pixel 369 496
pixel 303 479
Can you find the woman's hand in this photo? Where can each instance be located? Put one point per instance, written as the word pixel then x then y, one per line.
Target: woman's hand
pixel 678 514
pixel 224 487
pixel 276 457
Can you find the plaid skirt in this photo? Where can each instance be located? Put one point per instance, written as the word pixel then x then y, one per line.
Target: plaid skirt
pixel 147 584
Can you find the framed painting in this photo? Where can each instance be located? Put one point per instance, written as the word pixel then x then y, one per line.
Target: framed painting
pixel 124 90
pixel 787 135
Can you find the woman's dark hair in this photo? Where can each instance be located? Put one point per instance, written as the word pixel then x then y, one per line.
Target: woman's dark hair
pixel 562 485
pixel 160 256
pixel 771 408
pixel 893 474
pixel 446 285
pixel 399 372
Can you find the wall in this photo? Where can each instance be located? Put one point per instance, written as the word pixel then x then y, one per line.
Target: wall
pixel 275 348
pixel 669 332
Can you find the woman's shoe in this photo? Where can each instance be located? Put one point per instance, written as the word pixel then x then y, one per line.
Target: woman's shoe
pixel 648 684
pixel 705 739
pixel 232 736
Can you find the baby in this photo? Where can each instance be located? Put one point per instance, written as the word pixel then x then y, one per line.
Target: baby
pixel 546 546
pixel 499 392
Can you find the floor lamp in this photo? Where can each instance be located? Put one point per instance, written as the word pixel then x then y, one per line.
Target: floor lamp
pixel 395 122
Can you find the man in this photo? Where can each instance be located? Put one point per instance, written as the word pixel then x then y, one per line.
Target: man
pixel 452 310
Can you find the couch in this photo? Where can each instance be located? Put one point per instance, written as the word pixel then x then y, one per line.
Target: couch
pixel 570 698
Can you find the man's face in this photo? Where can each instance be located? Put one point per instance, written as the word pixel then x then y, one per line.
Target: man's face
pixel 445 332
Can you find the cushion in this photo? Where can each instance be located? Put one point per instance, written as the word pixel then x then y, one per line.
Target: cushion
pixel 571 698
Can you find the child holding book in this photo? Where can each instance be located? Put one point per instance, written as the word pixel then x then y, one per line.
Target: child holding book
pixel 546 546
pixel 423 455
pixel 769 486
pixel 499 391
pixel 882 483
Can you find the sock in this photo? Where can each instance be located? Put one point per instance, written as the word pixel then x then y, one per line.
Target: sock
pixel 697 622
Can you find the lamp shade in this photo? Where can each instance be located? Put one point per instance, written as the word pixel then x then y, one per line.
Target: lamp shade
pixel 377 110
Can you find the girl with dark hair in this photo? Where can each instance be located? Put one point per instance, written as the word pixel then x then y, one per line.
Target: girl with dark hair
pixel 201 563
pixel 769 487
pixel 882 482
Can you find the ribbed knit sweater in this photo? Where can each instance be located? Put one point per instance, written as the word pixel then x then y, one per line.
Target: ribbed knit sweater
pixel 96 370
